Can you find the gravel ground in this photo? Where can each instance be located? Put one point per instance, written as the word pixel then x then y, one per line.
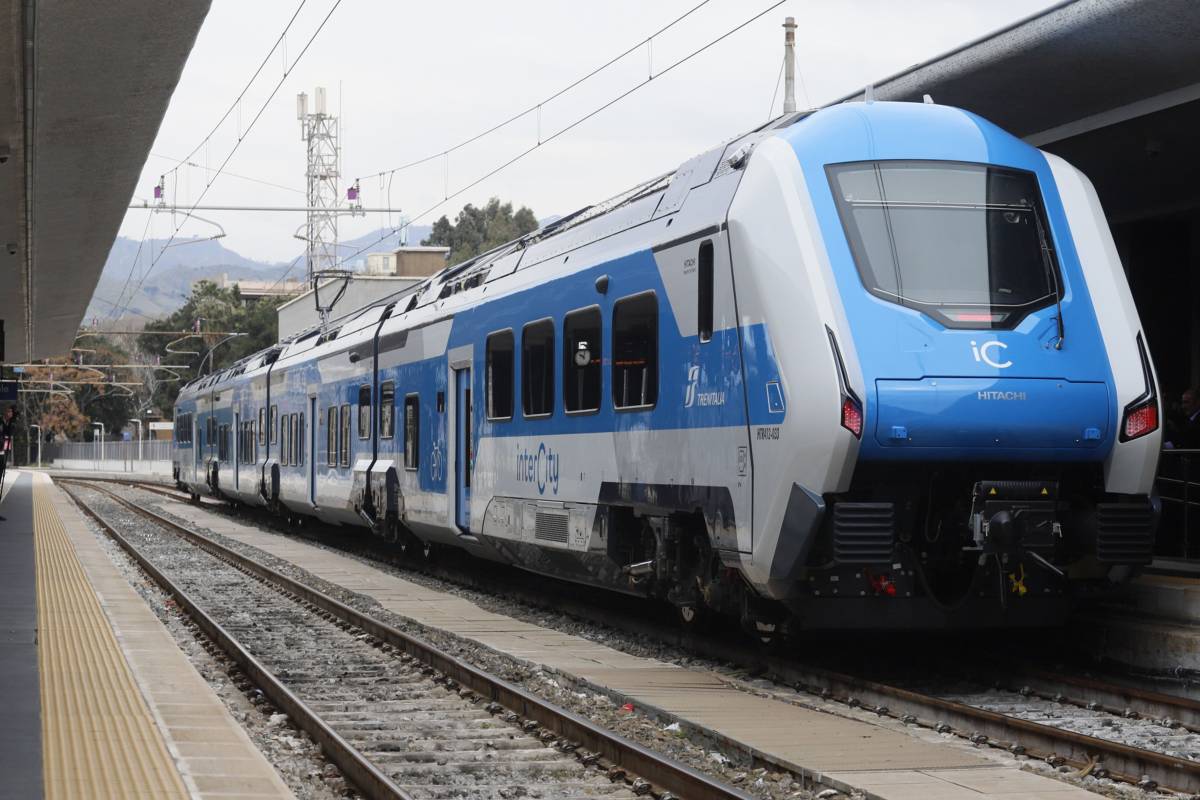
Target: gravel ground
pixel 295 756
pixel 430 737
pixel 1164 736
pixel 664 734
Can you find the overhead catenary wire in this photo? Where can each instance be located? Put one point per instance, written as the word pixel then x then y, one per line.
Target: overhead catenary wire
pixel 775 94
pixel 579 121
pixel 179 162
pixel 132 266
pixel 236 104
pixel 537 107
pixel 241 138
pixel 203 144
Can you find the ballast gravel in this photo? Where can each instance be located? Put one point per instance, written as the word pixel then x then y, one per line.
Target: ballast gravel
pixel 430 738
pixel 293 754
pixel 688 745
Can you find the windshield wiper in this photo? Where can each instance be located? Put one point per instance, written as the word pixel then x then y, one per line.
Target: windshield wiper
pixel 1052 274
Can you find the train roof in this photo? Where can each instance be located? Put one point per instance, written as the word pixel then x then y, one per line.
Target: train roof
pixel 652 199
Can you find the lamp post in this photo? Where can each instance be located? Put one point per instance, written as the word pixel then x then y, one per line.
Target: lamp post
pixel 138 422
pixel 100 425
pixel 39 442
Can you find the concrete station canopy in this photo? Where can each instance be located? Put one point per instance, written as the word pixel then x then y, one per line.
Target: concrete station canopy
pixel 84 86
pixel 1077 68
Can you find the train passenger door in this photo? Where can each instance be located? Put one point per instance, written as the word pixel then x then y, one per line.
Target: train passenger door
pixel 462 448
pixel 312 450
pixel 237 448
pixel 197 447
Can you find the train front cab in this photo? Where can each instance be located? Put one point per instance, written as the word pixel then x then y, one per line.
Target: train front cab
pixel 1009 411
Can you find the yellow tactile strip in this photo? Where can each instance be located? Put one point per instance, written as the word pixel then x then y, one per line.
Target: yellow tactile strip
pixel 99 739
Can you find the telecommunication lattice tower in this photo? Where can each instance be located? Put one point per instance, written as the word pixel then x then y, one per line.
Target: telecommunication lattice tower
pixel 319 131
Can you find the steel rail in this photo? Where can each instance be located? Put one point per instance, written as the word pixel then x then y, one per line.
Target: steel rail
pixel 1114 698
pixel 1123 762
pixel 665 774
pixel 358 770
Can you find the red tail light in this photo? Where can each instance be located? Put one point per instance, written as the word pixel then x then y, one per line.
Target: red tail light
pixel 1141 420
pixel 852 418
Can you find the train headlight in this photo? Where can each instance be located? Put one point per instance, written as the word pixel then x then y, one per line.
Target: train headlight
pixel 852 417
pixel 1140 420
pixel 852 414
pixel 1141 416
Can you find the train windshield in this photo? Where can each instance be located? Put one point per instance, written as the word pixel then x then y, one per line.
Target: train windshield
pixel 964 243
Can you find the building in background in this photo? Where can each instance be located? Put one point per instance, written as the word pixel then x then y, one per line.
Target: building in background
pixel 254 290
pixel 408 262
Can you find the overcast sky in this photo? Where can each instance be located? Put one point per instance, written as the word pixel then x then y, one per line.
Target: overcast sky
pixel 411 79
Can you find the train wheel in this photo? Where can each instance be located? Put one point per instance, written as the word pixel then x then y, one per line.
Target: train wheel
pixel 694 617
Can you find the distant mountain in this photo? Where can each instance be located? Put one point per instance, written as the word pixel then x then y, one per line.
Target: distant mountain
pixel 189 260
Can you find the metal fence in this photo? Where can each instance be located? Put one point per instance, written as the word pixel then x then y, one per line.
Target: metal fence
pixel 145 456
pixel 1179 489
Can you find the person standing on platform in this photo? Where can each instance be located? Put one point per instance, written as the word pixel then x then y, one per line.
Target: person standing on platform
pixel 1184 431
pixel 8 428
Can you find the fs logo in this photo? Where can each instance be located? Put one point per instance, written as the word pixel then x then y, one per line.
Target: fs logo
pixel 695 397
pixel 985 353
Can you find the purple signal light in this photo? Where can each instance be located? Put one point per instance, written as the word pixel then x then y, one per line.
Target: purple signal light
pixel 352 193
pixel 158 192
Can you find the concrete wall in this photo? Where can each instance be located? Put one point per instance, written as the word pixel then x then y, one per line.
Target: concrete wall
pixel 411 262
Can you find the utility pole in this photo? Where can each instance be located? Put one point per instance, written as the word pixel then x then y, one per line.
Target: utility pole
pixel 789 65
pixel 319 131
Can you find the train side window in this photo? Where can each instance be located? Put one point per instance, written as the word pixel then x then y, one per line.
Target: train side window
pixel 212 429
pixel 285 442
pixel 412 432
pixel 635 352
pixel 344 438
pixel 500 375
pixel 537 369
pixel 301 440
pixel 364 412
pixel 222 443
pixel 262 425
pixel 274 424
pixel 331 437
pixel 387 409
pixel 582 357
pixel 704 292
pixel 294 438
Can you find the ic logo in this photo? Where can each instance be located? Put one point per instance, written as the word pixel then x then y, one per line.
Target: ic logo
pixel 985 353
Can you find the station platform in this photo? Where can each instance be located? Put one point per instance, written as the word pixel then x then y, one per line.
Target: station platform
pixel 1154 625
pixel 879 758
pixel 100 702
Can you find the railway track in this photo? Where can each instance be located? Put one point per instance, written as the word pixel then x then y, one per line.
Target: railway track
pixel 998 718
pixel 399 717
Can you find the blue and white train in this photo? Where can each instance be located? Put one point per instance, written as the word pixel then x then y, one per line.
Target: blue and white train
pixel 876 366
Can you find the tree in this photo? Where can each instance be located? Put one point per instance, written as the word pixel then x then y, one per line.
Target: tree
pixel 209 308
pixel 65 396
pixel 477 230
